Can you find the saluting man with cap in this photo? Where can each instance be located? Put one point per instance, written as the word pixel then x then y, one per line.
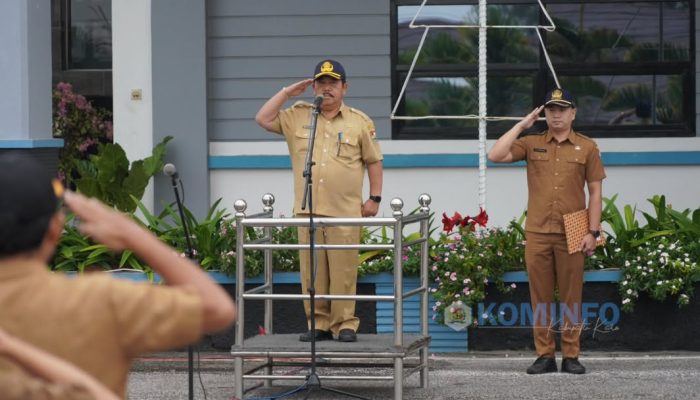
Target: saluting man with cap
pixel 560 162
pixel 345 146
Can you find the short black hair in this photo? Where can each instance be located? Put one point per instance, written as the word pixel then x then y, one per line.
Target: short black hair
pixel 27 203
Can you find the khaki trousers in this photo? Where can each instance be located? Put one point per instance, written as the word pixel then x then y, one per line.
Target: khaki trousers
pixel 549 264
pixel 336 274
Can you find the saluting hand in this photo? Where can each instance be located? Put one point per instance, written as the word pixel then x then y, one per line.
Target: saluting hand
pixel 104 224
pixel 298 88
pixel 531 118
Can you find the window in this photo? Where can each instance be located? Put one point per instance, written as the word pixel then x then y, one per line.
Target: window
pixel 89 34
pixel 629 64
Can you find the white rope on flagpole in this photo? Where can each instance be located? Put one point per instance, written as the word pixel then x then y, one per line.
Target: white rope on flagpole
pixel 482 104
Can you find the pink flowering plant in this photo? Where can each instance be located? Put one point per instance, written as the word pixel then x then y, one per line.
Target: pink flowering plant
pixel 468 257
pixel 81 126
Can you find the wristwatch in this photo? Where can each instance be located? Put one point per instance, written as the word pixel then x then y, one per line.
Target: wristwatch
pixel 596 234
pixel 376 199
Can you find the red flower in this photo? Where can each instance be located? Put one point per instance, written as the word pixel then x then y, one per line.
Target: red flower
pixel 481 219
pixel 447 223
pixel 261 330
pixel 466 221
pixel 456 220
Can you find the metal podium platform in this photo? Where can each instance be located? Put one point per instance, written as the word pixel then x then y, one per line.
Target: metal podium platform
pixel 405 354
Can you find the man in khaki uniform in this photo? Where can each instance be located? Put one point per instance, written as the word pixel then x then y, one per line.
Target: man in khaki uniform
pixel 560 162
pixel 43 376
pixel 97 323
pixel 344 147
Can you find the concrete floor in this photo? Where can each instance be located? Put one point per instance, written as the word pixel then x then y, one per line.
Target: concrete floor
pixel 496 375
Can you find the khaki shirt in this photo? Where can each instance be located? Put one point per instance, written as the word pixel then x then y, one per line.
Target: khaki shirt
pixel 18 385
pixel 556 175
pixel 98 323
pixel 342 147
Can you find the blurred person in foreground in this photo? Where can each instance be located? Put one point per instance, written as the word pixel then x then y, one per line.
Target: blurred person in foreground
pixel 43 376
pixel 97 323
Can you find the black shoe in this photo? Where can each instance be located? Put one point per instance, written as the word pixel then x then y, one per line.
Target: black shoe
pixel 347 335
pixel 543 365
pixel 319 335
pixel 572 366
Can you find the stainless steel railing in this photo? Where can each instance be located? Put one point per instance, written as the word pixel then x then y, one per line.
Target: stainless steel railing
pixel 397 221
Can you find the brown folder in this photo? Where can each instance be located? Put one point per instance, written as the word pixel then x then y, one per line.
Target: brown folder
pixel 576 227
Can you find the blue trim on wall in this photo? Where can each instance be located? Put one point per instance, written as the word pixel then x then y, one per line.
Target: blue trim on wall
pixel 607 275
pixel 459 160
pixel 250 162
pixel 31 144
pixel 652 158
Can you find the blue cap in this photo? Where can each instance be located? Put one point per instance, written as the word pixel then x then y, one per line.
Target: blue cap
pixel 559 97
pixel 330 68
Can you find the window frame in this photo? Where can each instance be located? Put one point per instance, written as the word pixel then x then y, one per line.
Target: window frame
pixel 543 80
pixel 66 43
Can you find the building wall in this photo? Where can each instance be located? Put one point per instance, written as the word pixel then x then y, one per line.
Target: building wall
pixel 257 47
pixel 25 70
pixel 132 71
pixel 448 171
pixel 179 89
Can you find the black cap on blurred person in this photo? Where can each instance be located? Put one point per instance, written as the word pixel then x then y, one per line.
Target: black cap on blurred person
pixel 29 197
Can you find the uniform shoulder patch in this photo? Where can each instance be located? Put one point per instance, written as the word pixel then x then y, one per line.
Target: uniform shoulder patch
pixel 533 133
pixel 302 104
pixel 360 113
pixel 582 136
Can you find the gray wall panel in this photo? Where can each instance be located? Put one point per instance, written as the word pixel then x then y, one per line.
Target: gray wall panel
pixel 179 92
pixel 241 109
pixel 296 7
pixel 293 46
pixel 255 48
pixel 261 88
pixel 223 130
pixel 295 67
pixel 295 25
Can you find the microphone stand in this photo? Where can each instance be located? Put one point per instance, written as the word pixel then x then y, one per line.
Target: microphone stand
pixel 190 254
pixel 312 380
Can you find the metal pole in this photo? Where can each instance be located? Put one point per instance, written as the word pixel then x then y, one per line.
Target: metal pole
pixel 240 207
pixel 396 206
pixel 268 200
pixel 424 201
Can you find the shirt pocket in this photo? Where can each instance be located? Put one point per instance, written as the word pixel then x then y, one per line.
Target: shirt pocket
pixel 576 165
pixel 539 161
pixel 348 149
pixel 300 141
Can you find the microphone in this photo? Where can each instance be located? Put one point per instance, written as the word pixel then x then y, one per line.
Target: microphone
pixel 170 170
pixel 317 101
